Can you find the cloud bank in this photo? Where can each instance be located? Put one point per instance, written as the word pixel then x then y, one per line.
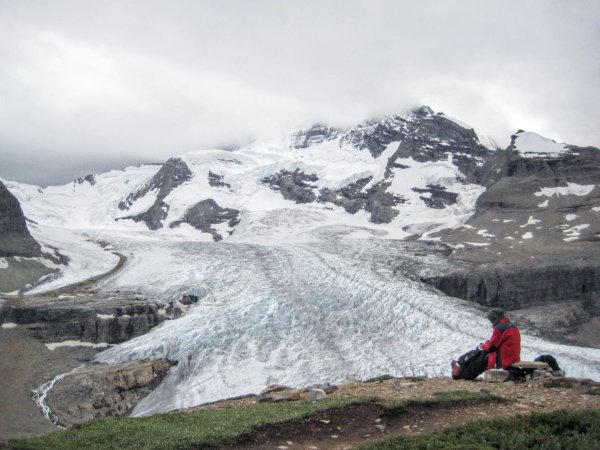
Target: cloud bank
pixel 86 85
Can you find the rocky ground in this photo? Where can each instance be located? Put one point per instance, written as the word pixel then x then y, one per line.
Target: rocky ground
pixel 353 426
pixel 44 336
pixel 26 363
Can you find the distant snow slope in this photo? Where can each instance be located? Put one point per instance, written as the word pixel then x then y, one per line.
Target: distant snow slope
pixel 105 204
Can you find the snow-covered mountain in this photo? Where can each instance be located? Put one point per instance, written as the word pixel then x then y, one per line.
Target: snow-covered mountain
pixel 302 250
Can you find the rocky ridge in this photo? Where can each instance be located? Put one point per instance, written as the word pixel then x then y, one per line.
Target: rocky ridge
pixel 172 174
pixel 15 239
pixel 85 317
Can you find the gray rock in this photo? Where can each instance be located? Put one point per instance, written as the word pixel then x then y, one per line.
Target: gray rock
pixel 171 175
pixel 316 394
pixel 315 135
pixel 354 198
pixel 215 180
pixel 15 239
pixel 272 398
pixel 89 318
pixel 91 179
pixel 294 185
pixel 273 388
pixel 534 365
pixel 94 391
pixel 206 213
pixel 189 299
pixel 438 197
pixel 495 375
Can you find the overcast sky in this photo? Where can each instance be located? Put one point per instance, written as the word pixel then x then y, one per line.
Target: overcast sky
pixel 90 85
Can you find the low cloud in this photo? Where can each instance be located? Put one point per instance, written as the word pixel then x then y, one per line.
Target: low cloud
pixel 84 83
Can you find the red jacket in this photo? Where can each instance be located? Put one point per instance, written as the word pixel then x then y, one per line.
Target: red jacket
pixel 504 347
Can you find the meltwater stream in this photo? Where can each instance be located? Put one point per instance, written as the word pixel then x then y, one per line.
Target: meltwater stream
pixel 296 315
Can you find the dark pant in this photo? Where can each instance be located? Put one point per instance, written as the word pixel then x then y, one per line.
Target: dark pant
pixel 472 364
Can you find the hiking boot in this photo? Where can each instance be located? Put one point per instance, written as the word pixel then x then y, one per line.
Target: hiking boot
pixel 455 370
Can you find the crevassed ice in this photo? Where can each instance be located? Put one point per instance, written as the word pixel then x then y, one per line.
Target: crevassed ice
pixel 297 315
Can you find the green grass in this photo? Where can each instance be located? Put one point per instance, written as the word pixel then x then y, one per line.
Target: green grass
pixel 446 399
pixel 198 429
pixel 557 430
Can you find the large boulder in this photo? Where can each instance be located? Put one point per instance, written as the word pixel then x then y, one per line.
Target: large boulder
pixel 94 391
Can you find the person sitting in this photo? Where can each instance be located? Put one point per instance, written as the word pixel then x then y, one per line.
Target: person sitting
pixel 499 352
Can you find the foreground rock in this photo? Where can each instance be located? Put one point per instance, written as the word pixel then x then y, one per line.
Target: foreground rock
pixel 95 318
pixel 96 390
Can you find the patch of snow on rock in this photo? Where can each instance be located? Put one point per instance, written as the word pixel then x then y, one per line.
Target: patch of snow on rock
pixel 530 221
pixel 55 345
pixel 569 189
pixel 527 235
pixel 532 145
pixel 484 233
pixel 570 217
pixel 574 232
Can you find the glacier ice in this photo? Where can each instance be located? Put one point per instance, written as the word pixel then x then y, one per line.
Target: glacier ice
pixel 297 314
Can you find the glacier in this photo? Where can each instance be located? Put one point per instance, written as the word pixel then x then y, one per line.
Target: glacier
pixel 330 309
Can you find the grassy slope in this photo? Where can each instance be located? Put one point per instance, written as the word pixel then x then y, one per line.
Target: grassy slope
pixel 557 430
pixel 203 428
pixel 178 430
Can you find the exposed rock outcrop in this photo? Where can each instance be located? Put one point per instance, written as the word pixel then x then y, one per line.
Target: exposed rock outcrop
pixel 436 196
pixel 15 239
pixel 84 317
pixel 94 391
pixel 294 185
pixel 216 180
pixel 315 135
pixel 206 214
pixel 355 197
pixel 172 174
pixel 432 137
pixel 91 179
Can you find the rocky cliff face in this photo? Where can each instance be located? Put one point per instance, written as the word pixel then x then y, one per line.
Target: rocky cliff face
pixel 84 317
pixel 94 391
pixel 533 240
pixel 15 239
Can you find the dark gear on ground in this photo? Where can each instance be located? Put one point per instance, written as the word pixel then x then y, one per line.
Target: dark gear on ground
pixel 470 365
